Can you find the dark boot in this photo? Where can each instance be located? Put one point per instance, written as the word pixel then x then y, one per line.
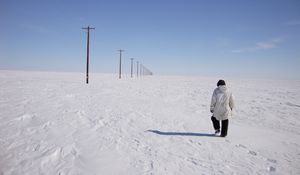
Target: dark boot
pixel 224 128
pixel 216 123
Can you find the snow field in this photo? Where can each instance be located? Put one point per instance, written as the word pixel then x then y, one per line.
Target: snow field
pixel 53 123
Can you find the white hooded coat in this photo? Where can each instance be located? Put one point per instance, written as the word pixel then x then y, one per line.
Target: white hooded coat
pixel 221 103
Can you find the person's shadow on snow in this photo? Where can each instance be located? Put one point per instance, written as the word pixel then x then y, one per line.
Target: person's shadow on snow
pixel 181 133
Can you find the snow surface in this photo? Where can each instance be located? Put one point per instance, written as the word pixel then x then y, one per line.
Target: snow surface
pixel 53 123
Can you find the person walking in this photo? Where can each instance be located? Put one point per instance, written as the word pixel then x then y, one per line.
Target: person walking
pixel 221 106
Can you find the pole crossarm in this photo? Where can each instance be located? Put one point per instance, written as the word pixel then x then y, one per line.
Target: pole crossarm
pixel 88 28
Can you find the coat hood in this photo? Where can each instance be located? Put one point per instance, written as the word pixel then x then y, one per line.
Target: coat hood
pixel 222 88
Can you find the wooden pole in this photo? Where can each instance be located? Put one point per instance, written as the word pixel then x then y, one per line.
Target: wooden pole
pixel 131 66
pixel 137 68
pixel 120 63
pixel 88 52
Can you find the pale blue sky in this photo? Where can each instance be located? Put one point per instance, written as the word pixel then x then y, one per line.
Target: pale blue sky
pixel 257 38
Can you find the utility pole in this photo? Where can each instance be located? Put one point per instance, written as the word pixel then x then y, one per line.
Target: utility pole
pixel 120 67
pixel 137 68
pixel 88 51
pixel 131 66
pixel 141 66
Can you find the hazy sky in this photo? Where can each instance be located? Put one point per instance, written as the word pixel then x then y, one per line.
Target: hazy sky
pixel 244 38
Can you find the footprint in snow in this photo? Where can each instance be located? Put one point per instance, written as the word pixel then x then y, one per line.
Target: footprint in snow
pixel 37 147
pixel 292 104
pixel 80 113
pixel 271 169
pixel 53 157
pixel 25 117
pixel 249 151
pixel 47 125
pixel 252 153
pixel 272 160
pixel 241 146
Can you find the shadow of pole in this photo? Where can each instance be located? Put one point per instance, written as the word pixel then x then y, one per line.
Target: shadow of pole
pixel 182 133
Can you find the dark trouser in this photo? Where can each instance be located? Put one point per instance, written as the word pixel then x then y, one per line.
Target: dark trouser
pixel 216 124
